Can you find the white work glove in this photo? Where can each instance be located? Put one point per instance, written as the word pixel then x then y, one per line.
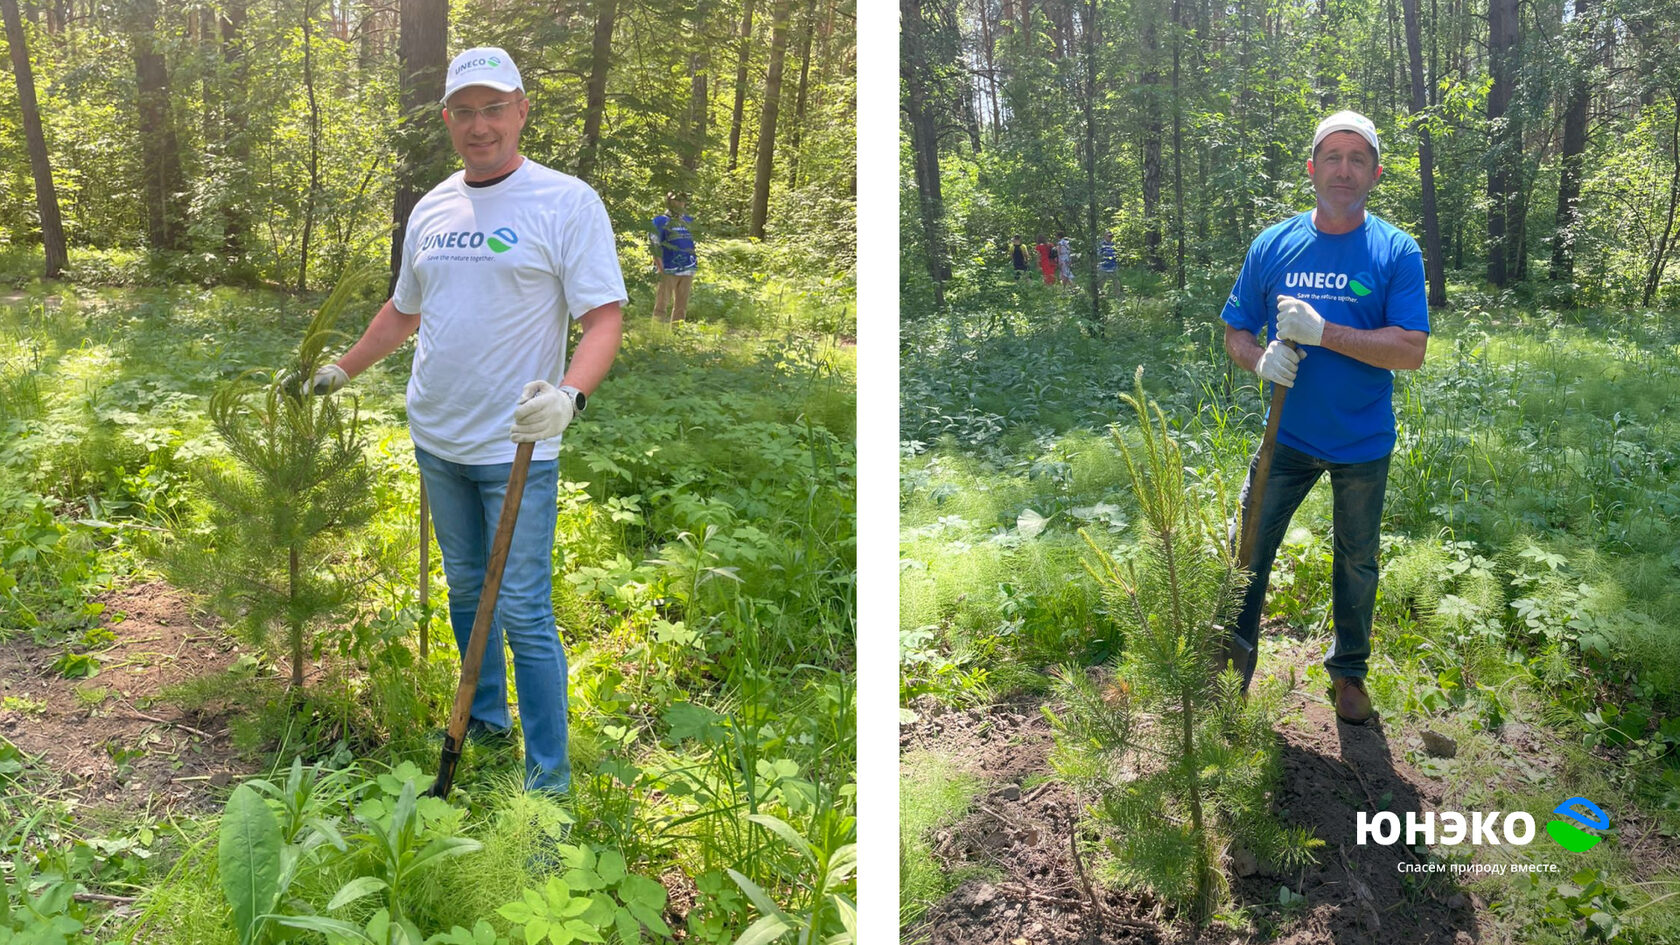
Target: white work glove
pixel 543 413
pixel 1277 363
pixel 1299 322
pixel 328 378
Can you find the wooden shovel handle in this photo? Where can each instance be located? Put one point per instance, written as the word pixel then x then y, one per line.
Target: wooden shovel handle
pixel 1262 470
pixel 474 657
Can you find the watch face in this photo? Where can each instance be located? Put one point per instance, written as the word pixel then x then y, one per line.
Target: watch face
pixel 578 401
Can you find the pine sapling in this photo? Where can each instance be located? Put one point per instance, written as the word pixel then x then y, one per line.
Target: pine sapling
pixel 271 546
pixel 1177 762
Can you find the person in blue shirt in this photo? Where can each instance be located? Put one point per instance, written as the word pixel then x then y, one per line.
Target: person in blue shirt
pixel 673 256
pixel 1348 289
pixel 1108 258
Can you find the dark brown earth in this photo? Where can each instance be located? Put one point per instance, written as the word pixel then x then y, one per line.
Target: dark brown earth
pixel 108 741
pixel 1354 895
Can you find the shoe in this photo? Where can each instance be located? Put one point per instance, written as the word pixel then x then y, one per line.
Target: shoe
pixel 1353 704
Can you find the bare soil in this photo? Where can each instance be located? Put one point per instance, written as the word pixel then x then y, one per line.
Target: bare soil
pixel 1025 832
pixel 107 740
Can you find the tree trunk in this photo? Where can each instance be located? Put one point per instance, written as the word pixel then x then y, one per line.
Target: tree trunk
pixel 1659 261
pixel 423 27
pixel 1092 241
pixel 740 83
pixel 1506 143
pixel 799 107
pixel 235 145
pixel 767 120
pixel 1434 271
pixel 988 43
pixel 600 60
pixel 40 163
pixel 924 142
pixel 1178 142
pixel 1574 150
pixel 160 151
pixel 1150 88
pixel 698 62
pixel 313 196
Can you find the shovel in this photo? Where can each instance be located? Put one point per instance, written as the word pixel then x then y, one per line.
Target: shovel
pixel 1235 654
pixel 474 657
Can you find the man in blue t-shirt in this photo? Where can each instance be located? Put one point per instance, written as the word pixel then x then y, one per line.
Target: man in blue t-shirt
pixel 674 257
pixel 1349 289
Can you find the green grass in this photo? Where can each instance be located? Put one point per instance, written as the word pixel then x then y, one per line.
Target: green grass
pixel 1530 570
pixel 705 591
pixel 933 792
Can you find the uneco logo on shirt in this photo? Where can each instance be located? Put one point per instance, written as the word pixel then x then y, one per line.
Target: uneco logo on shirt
pixel 500 240
pixel 1360 283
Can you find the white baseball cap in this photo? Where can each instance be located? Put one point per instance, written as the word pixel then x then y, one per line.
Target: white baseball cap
pixel 482 65
pixel 1347 121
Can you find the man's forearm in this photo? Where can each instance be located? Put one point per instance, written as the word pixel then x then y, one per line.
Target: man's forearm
pixel 385 334
pixel 1243 348
pixel 1392 347
pixel 603 330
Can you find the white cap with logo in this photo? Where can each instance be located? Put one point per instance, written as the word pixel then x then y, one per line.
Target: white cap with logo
pixel 1347 121
pixel 483 65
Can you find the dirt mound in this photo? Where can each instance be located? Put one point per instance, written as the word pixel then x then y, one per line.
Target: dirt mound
pixel 103 738
pixel 1045 896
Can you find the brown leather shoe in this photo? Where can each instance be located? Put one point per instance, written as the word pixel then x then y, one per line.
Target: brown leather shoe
pixel 1353 705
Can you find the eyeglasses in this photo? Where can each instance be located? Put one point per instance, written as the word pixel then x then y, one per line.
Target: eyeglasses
pixel 488 112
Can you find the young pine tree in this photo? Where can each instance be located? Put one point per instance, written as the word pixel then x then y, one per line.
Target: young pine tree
pixel 1177 762
pixel 269 548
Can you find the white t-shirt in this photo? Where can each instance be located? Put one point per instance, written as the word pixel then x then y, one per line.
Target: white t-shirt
pixel 495 274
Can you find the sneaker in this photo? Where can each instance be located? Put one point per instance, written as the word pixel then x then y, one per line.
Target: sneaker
pixel 1353 704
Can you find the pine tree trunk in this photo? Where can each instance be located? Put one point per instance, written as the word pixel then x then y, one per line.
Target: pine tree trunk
pixel 1093 240
pixel 1435 273
pixel 160 151
pixel 600 60
pixel 1573 156
pixel 740 83
pixel 295 629
pixel 423 27
pixel 1659 260
pixel 235 145
pixel 40 162
pixel 313 195
pixel 697 100
pixel 924 143
pixel 1178 142
pixel 767 121
pixel 1501 187
pixel 799 107
pixel 1150 88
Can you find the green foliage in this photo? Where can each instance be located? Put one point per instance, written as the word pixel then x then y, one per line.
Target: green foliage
pixel 300 488
pixel 1177 762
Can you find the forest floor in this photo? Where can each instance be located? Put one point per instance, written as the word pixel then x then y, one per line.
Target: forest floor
pixel 1032 881
pixel 113 739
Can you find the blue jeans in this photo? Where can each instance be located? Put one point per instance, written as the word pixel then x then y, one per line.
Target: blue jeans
pixel 466 504
pixel 1357 492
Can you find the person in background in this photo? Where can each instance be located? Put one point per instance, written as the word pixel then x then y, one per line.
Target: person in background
pixel 1018 258
pixel 674 257
pixel 1064 258
pixel 1108 259
pixel 1046 262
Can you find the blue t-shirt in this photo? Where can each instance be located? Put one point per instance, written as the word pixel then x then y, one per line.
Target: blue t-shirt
pixel 676 244
pixel 1108 259
pixel 1340 409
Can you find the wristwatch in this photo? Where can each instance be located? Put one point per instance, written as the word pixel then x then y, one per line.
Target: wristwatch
pixel 578 398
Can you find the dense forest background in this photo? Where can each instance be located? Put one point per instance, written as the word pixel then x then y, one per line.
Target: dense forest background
pixel 1528 143
pixel 275 141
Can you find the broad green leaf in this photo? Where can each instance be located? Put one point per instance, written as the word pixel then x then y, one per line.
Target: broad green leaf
pixel 759 897
pixel 355 889
pixel 610 866
pixel 326 926
pixel 768 929
pixel 640 889
pixel 1029 523
pixel 840 868
pixel 782 829
pixel 248 856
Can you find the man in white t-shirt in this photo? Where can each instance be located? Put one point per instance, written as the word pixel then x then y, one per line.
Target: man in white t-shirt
pixel 496 261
